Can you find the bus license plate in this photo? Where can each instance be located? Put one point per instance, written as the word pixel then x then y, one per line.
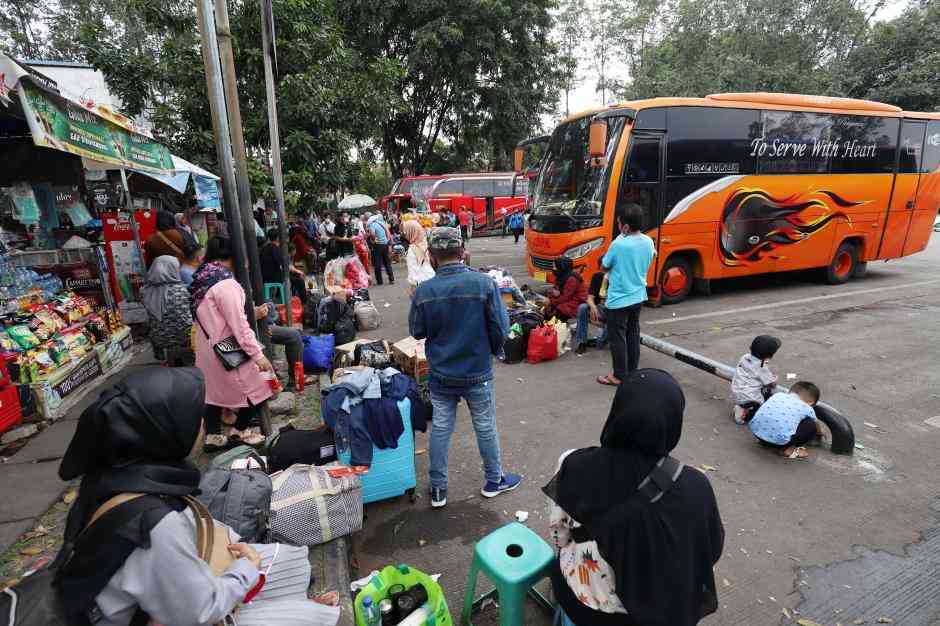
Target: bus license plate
pixel 542 276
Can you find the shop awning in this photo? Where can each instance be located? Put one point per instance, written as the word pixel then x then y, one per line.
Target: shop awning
pixel 205 183
pixel 65 122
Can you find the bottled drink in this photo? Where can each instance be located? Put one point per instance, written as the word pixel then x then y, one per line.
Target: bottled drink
pixel 299 375
pixel 370 612
pixel 418 617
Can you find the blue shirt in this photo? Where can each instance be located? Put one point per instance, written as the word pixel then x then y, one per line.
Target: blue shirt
pixel 778 418
pixel 378 231
pixel 186 274
pixel 628 260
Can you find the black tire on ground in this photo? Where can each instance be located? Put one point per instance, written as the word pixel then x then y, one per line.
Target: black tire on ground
pixel 843 264
pixel 676 280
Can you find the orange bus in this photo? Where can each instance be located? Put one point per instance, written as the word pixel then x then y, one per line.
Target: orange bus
pixel 738 184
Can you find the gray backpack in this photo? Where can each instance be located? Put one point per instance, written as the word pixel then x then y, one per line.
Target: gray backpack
pixel 240 499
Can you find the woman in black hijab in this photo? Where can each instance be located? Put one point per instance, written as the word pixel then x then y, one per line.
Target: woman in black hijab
pixel 141 555
pixel 629 556
pixel 569 292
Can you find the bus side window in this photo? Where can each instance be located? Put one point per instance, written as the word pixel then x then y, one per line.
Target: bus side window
pixel 478 188
pixel 640 180
pixel 449 188
pixel 912 145
pixel 931 159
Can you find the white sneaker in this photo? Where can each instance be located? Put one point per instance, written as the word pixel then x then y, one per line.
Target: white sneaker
pixel 737 414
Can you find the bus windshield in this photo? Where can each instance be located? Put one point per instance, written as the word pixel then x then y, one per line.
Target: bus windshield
pixel 568 189
pixel 421 189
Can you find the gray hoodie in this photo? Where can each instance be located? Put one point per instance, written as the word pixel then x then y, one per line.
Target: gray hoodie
pixel 750 376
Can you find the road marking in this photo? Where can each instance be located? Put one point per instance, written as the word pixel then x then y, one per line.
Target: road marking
pixel 933 421
pixel 773 305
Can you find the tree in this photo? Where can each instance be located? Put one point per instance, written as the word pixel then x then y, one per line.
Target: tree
pixel 698 47
pixel 476 74
pixel 572 22
pixel 21 28
pixel 897 61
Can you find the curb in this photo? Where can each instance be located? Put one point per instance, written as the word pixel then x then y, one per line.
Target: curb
pixel 329 565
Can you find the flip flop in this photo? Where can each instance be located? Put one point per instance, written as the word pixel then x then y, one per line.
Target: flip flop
pixel 798 454
pixel 607 380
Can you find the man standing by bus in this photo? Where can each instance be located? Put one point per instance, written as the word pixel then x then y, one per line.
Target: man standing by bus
pixel 466 225
pixel 628 261
pixel 461 315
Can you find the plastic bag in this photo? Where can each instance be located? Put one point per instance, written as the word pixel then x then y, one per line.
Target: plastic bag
pixel 407 577
pixel 356 274
pixel 318 352
pixel 543 344
pixel 563 334
pixel 297 312
pixel 334 273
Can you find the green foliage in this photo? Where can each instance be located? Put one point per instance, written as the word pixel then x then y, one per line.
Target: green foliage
pixel 476 74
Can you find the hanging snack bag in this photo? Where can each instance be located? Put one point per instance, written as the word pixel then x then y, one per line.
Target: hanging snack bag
pixel 23 336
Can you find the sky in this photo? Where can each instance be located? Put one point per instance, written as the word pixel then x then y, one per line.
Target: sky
pixel 585 97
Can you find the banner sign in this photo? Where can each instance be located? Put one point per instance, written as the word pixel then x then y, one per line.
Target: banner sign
pixel 207 192
pixel 56 122
pixel 81 374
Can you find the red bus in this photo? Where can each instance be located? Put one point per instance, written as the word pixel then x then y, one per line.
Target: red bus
pixel 409 191
pixel 490 198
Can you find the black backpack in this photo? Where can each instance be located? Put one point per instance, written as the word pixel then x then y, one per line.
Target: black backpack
pixel 344 330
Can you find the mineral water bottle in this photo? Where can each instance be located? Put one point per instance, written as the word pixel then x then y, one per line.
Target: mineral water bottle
pixel 370 612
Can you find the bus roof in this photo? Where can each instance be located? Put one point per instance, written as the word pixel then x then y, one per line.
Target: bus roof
pixel 768 100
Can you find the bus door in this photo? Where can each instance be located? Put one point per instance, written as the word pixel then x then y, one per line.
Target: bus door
pixel 904 197
pixel 640 183
pixel 928 193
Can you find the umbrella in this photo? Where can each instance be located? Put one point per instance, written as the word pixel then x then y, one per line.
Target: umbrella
pixel 356 202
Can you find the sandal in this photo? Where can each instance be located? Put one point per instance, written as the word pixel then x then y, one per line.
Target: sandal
pixel 249 437
pixel 797 454
pixel 608 380
pixel 329 598
pixel 215 443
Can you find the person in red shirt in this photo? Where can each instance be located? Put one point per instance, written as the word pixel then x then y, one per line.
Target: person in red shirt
pixel 466 225
pixel 569 292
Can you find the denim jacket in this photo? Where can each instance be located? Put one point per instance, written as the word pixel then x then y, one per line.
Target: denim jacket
pixel 461 315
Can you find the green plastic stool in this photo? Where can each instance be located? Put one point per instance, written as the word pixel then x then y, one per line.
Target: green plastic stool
pixel 269 288
pixel 515 559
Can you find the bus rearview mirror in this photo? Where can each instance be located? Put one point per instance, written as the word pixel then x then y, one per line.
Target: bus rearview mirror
pixel 597 142
pixel 517 156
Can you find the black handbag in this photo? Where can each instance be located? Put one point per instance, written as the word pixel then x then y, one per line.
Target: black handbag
pixel 374 354
pixel 230 353
pixel 310 447
pixel 514 349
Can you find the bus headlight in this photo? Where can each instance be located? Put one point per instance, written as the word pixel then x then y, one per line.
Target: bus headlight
pixel 582 250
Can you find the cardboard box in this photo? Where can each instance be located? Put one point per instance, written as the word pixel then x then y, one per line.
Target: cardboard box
pixel 409 355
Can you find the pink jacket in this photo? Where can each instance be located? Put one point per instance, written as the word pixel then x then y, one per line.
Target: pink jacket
pixel 222 313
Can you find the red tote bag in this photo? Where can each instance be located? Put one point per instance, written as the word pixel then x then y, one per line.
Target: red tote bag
pixel 543 345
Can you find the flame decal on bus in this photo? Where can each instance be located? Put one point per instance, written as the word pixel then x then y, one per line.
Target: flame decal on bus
pixel 754 223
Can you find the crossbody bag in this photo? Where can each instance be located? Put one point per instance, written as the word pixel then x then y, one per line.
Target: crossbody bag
pixel 228 350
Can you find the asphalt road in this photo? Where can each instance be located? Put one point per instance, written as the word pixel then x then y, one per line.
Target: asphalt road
pixel 836 538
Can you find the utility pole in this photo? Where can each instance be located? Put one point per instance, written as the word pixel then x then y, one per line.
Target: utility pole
pixel 223 32
pixel 223 145
pixel 269 54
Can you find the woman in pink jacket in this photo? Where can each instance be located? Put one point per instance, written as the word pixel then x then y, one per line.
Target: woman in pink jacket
pixel 218 303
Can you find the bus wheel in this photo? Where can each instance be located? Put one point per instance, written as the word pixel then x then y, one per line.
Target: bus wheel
pixel 676 279
pixel 843 264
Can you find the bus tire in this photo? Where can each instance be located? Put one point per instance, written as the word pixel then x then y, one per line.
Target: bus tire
pixel 843 265
pixel 676 280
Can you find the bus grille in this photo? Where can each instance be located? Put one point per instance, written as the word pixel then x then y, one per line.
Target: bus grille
pixel 543 264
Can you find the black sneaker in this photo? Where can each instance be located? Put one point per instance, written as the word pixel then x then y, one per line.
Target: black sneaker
pixel 438 497
pixel 581 349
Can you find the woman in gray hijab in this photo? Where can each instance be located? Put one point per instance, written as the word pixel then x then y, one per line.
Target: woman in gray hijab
pixel 166 299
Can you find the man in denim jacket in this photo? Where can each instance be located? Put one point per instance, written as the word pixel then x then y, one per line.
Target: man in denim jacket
pixel 462 316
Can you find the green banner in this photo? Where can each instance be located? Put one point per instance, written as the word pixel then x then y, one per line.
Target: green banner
pixel 56 122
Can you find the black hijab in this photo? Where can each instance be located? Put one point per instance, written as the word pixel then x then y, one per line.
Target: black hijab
pixel 662 553
pixel 564 269
pixel 134 439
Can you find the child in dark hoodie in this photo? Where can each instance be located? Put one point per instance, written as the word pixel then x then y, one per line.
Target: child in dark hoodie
pixel 753 380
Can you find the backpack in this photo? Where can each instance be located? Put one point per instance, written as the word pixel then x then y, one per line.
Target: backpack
pixel 344 330
pixel 225 459
pixel 311 447
pixel 240 499
pixel 329 312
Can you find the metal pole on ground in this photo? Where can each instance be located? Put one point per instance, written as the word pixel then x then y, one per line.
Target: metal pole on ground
pixel 270 57
pixel 843 436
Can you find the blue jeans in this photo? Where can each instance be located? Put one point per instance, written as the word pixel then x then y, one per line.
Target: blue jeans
pixel 482 403
pixel 584 325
